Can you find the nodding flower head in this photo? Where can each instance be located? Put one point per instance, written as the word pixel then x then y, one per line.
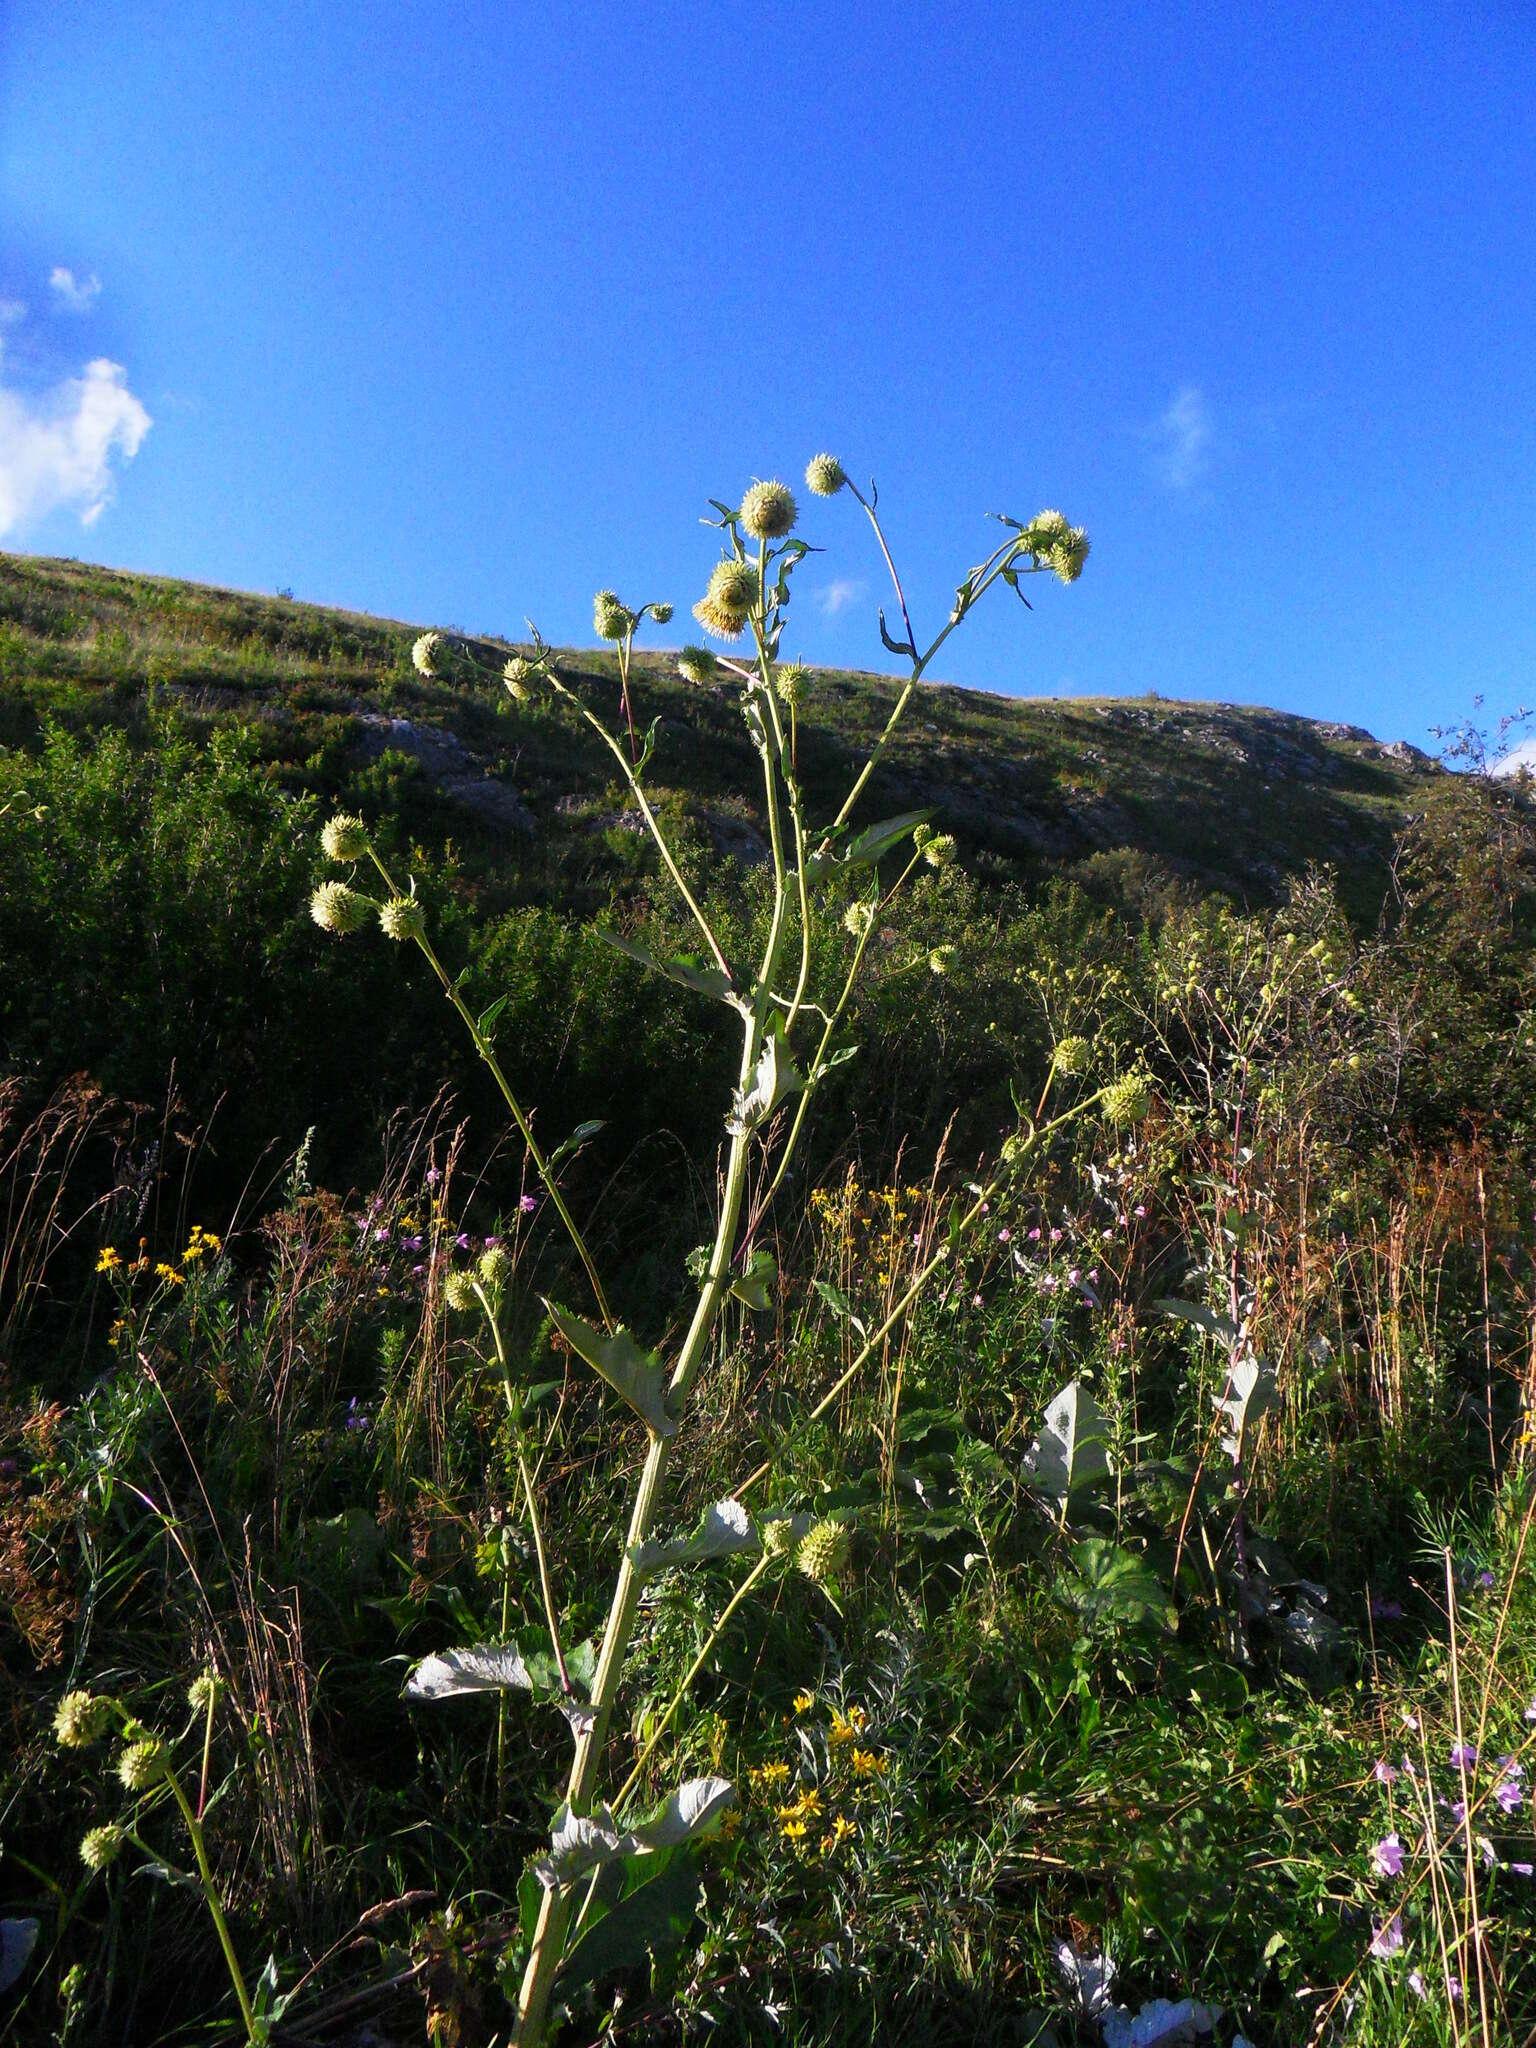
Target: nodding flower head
pixel 518 676
pixel 1128 1100
pixel 940 850
pixel 345 837
pixel 939 959
pixel 825 1553
pixel 610 619
pixel 768 511
pixel 494 1266
pixel 424 654
pixel 1072 1055
pixel 858 918
pixel 697 665
pixel 402 917
pixel 792 681
pixel 1044 531
pixel 205 1691
pixel 459 1291
pixel 661 613
pixel 101 1846
pixel 825 475
pixel 81 1720
pixel 142 1764
pixel 1069 554
pixel 732 592
pixel 336 908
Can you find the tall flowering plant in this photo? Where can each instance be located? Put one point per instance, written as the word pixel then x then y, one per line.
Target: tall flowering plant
pixel 823 871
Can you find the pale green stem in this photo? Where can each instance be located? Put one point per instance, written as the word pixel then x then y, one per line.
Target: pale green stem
pixel 212 1901
pixel 483 1047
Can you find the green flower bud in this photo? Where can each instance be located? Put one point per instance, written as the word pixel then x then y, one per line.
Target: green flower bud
pixel 858 918
pixel 825 475
pixel 939 959
pixel 459 1291
pixel 423 653
pixel 768 511
pixel 205 1691
pixel 1044 531
pixel 1073 1055
pixel 697 665
pixel 1014 1148
pixel 518 676
pixel 825 1553
pixel 661 613
pixel 778 1537
pixel 81 1720
pixel 733 585
pixel 142 1764
pixel 1128 1100
pixel 940 850
pixel 792 681
pixel 101 1846
pixel 494 1266
pixel 610 619
pixel 1069 554
pixel 402 917
pixel 345 837
pixel 336 908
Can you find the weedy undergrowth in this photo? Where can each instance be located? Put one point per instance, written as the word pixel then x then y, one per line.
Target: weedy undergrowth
pixel 825 872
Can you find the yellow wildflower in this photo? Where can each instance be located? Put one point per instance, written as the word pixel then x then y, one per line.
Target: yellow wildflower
pixel 773 1773
pixel 842 1827
pixel 804 1701
pixel 793 1830
pixel 868 1764
pixel 846 1727
pixel 109 1261
pixel 170 1275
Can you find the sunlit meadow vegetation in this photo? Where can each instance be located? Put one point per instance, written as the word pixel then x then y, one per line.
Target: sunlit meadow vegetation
pixel 1171 1672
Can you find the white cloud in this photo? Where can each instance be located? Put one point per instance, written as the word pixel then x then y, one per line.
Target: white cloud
pixel 1181 439
pixel 838 596
pixel 75 295
pixel 57 449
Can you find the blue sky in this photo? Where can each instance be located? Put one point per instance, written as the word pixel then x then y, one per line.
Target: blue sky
pixel 458 313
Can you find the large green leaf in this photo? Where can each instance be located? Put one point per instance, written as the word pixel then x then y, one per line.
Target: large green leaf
pixel 1252 1391
pixel 1219 1327
pixel 753 1285
pixel 1114 1585
pixel 630 1370
pixel 776 1077
pixel 688 970
pixel 875 841
pixel 489 1667
pixel 1070 1453
pixel 581 1841
pixel 652 1917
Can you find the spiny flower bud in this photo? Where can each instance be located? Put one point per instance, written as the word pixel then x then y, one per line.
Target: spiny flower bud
pixel 717 620
pixel 697 665
pixel 825 1553
pixel 1128 1100
pixel 825 475
pixel 792 681
pixel 518 677
pixel 661 613
pixel 100 1847
pixel 1072 1055
pixel 142 1764
pixel 610 619
pixel 778 1537
pixel 81 1720
pixel 336 908
pixel 939 959
pixel 940 850
pixel 402 917
pixel 423 652
pixel 733 585
pixel 858 918
pixel 345 837
pixel 1044 531
pixel 459 1291
pixel 1069 554
pixel 205 1691
pixel 768 511
pixel 494 1266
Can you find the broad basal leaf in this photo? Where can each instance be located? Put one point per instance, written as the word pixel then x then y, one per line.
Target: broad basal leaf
pixel 1252 1391
pixel 630 1370
pixel 1114 1585
pixel 1070 1452
pixel 1219 1327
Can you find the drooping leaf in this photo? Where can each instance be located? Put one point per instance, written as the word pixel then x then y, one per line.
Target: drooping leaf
pixel 492 1667
pixel 1070 1453
pixel 775 1078
pixel 875 841
pixel 487 1022
pixel 628 1368
pixel 578 1842
pixel 1252 1391
pixel 651 1917
pixel 1114 1585
pixel 895 646
pixel 569 1147
pixel 752 1286
pixel 692 1810
pixel 727 1530
pixel 688 970
pixel 1219 1327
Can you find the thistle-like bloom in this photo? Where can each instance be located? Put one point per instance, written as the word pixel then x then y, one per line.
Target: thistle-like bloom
pixel 858 918
pixel 768 511
pixel 142 1764
pixel 778 1536
pixel 940 850
pixel 459 1291
pixel 792 681
pixel 661 613
pixel 423 652
pixel 717 621
pixel 205 1691
pixel 825 475
pixel 100 1847
pixel 697 665
pixel 825 1553
pixel 1045 531
pixel 494 1266
pixel 518 676
pixel 336 908
pixel 402 917
pixel 1069 554
pixel 733 585
pixel 345 837
pixel 1073 1055
pixel 610 619
pixel 1128 1100
pixel 939 959
pixel 81 1720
